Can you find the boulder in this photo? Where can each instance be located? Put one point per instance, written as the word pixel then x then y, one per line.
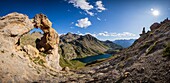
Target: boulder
pixel 67 69
pixel 154 26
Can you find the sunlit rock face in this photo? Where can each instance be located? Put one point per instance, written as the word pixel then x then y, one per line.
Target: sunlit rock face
pixel 49 42
pixel 14 65
pixel 12 27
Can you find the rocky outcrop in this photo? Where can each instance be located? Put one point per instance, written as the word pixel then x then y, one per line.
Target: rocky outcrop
pixel 154 26
pixel 14 66
pixel 24 63
pixel 143 32
pixel 49 42
pixel 12 27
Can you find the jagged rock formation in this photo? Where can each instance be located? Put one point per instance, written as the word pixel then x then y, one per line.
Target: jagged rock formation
pixel 143 32
pixel 77 46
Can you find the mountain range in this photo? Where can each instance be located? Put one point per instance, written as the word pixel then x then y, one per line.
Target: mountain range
pixel 125 42
pixel 77 46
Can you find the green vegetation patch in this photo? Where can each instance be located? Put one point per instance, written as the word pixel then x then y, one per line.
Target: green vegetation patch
pixel 43 54
pixel 146 45
pixel 39 61
pixel 151 48
pixel 166 51
pixel 72 64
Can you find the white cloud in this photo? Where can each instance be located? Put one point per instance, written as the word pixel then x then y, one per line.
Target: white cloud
pixel 83 23
pixel 98 19
pixel 124 34
pixel 90 13
pixel 100 6
pixel 79 33
pixel 82 4
pixel 92 34
pixel 109 36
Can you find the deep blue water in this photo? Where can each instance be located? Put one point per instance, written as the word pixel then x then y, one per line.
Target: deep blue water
pixel 93 58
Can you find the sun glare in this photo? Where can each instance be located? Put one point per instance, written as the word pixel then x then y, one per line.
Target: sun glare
pixel 155 12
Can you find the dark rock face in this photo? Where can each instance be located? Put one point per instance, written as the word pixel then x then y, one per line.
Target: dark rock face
pixel 143 32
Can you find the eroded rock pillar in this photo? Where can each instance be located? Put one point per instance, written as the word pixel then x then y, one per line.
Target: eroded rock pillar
pixel 49 42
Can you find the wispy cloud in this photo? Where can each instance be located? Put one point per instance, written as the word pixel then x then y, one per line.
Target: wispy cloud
pixel 79 33
pixel 87 7
pixel 82 4
pixel 110 36
pixel 98 19
pixel 83 23
pixel 124 34
pixel 107 34
pixel 100 6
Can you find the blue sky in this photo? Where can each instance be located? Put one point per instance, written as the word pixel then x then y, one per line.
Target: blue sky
pixel 105 19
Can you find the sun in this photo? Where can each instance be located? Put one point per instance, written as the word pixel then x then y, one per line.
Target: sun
pixel 155 12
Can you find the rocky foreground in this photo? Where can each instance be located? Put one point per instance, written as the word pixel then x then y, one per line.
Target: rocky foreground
pixel 147 60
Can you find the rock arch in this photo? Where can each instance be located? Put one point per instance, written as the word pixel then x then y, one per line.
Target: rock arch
pixel 14 25
pixel 50 40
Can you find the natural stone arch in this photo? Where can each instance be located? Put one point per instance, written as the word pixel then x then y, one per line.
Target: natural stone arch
pixel 50 37
pixel 49 42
